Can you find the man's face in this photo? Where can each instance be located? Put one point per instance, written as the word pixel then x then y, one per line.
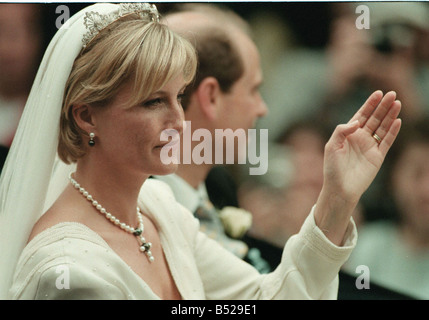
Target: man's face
pixel 243 104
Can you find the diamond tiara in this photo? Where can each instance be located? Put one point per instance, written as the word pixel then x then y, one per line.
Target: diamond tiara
pixel 95 22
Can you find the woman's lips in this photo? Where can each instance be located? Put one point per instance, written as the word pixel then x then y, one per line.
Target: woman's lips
pixel 173 138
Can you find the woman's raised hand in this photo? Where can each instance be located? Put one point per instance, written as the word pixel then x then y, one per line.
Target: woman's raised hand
pixel 353 157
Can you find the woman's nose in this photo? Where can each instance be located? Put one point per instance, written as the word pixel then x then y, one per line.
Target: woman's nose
pixel 177 117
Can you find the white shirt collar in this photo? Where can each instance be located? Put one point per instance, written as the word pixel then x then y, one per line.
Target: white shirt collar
pixel 184 193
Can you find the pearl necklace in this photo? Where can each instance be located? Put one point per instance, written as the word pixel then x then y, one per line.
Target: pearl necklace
pixel 144 246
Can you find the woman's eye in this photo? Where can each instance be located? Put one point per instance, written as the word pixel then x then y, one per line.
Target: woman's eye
pixel 152 102
pixel 180 97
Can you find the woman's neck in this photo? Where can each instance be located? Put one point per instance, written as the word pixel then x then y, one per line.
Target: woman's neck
pixel 115 190
pixel 193 174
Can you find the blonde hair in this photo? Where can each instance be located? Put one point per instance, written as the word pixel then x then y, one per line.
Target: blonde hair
pixel 130 49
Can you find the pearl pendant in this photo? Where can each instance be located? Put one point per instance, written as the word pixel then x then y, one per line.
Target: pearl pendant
pixel 138 232
pixel 145 248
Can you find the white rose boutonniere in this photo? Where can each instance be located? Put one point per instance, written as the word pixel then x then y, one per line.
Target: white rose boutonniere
pixel 236 221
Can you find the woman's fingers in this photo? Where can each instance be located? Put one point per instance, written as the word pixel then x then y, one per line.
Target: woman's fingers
pixel 342 131
pixel 365 112
pixel 378 117
pixel 390 117
pixel 374 111
pixel 390 136
pixel 382 112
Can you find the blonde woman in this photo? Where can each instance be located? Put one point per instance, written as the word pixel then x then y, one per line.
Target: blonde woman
pixel 81 220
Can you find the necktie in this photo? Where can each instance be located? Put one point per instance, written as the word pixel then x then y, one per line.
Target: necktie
pixel 212 226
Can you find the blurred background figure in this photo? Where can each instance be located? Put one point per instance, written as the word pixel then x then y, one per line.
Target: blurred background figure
pixel 396 251
pixel 21 44
pixel 388 56
pixel 340 72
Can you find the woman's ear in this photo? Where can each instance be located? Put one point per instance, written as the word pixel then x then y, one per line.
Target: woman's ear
pixel 208 94
pixel 83 116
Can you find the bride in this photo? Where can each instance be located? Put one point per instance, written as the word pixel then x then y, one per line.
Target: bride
pixel 76 202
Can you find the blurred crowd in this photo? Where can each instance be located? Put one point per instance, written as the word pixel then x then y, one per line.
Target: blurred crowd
pixel 20 52
pixel 318 70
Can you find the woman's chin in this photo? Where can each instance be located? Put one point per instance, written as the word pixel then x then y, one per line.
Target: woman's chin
pixel 166 169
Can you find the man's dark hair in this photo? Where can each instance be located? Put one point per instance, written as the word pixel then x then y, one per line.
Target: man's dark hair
pixel 218 56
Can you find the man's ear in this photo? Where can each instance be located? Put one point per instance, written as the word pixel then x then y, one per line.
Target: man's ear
pixel 208 94
pixel 83 116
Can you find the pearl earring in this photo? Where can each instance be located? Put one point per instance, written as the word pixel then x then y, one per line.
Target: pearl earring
pixel 91 141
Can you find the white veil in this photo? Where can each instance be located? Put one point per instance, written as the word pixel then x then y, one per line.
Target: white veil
pixel 33 176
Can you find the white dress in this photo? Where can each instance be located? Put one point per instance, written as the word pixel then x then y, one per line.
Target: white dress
pixel 70 261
